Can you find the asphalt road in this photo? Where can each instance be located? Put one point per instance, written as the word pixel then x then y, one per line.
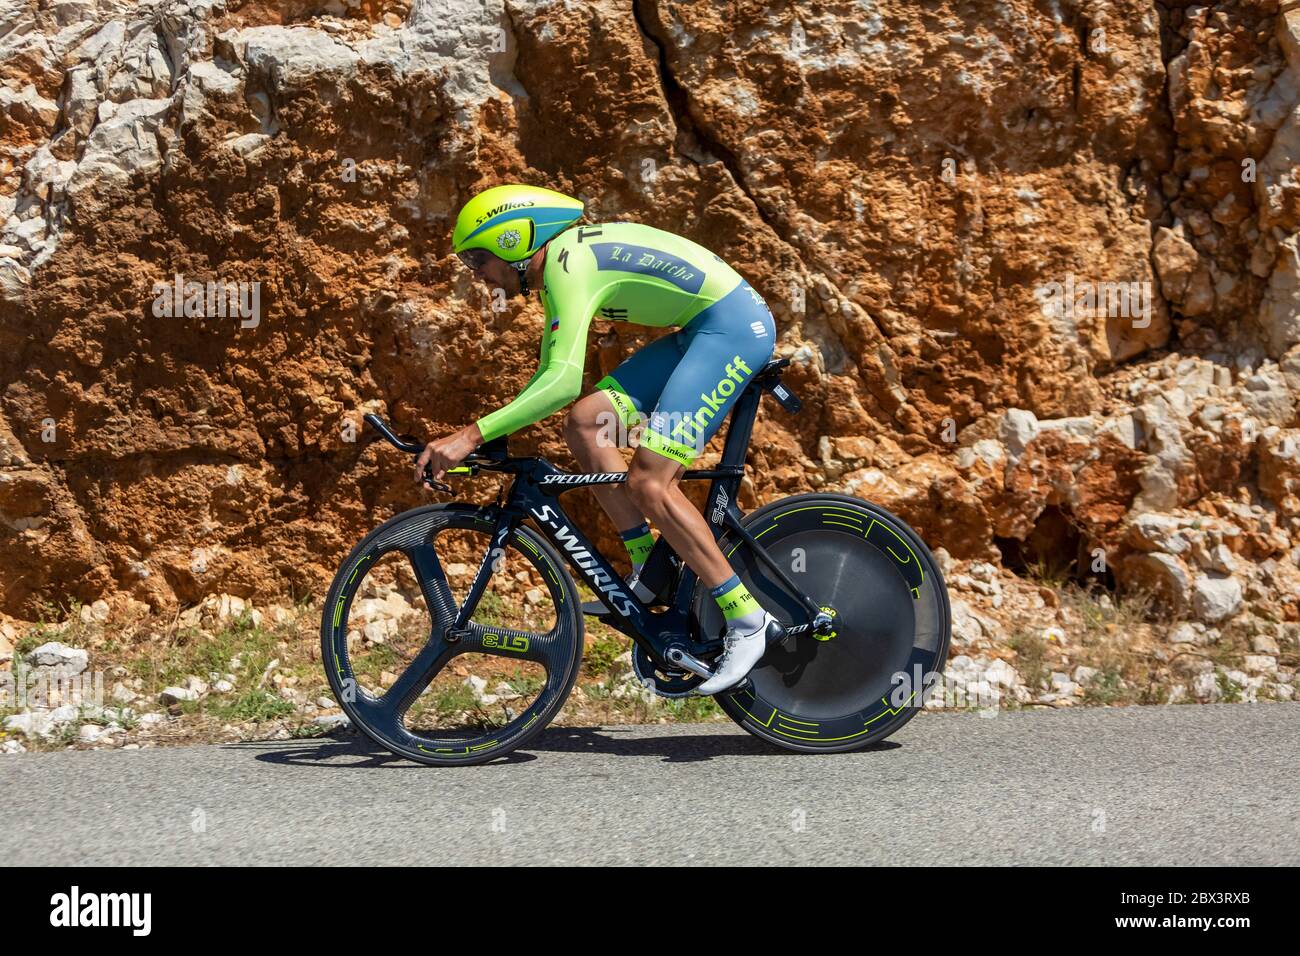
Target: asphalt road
pixel 1157 785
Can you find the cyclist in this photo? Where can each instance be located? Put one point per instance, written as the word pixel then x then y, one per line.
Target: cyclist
pixel 518 238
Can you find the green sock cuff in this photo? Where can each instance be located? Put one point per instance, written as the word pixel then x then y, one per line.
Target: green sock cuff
pixel 736 601
pixel 639 548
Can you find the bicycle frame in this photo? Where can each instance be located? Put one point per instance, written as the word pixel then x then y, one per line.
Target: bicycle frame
pixel 535 493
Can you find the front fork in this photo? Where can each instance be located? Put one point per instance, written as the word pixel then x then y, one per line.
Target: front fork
pixel 507 520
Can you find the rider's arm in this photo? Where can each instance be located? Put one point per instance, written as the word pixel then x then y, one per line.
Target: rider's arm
pixel 557 382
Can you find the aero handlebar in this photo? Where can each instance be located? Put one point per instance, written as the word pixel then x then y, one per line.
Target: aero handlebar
pixel 378 424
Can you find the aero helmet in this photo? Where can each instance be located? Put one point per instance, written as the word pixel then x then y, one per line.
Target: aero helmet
pixel 514 221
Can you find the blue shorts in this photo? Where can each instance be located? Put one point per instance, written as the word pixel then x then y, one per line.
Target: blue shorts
pixel 687 382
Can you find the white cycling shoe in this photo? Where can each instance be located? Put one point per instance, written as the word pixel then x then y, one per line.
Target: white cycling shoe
pixel 741 651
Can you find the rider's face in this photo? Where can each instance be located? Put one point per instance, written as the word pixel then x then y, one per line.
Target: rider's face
pixel 493 272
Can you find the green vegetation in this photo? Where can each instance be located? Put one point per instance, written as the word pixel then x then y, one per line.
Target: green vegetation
pixel 529 685
pixel 1103 614
pixel 1049 574
pixel 1155 693
pixel 1031 657
pixel 1106 688
pixel 454 698
pixel 256 705
pixel 602 650
pixel 1107 632
pixel 491 610
pixel 692 709
pixel 1229 692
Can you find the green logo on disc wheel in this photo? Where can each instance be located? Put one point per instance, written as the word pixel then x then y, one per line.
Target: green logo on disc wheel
pixel 831 634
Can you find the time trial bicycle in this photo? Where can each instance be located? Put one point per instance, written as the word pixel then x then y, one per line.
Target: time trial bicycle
pixel 860 598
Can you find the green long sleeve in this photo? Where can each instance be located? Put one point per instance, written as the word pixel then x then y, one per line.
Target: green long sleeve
pixel 558 380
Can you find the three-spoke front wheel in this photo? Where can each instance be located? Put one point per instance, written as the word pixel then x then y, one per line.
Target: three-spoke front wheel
pixel 444 699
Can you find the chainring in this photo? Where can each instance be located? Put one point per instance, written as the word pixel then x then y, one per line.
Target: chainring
pixel 667 682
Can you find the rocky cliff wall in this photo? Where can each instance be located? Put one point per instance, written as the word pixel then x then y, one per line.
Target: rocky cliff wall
pixel 1036 263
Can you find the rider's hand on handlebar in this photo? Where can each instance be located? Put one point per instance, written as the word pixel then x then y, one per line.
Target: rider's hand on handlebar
pixel 447 452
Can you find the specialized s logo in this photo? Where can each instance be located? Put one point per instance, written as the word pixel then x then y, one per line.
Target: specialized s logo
pixel 508 239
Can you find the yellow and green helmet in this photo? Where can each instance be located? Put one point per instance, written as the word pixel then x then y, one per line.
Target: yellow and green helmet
pixel 512 222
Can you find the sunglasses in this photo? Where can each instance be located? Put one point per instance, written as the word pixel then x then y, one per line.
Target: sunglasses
pixel 475 259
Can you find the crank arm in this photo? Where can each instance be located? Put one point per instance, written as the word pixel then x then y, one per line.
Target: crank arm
pixel 687 661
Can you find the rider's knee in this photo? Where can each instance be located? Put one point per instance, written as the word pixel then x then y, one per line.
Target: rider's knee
pixel 579 425
pixel 648 490
pixel 572 427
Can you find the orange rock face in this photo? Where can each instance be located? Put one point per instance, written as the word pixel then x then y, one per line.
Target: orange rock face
pixel 1035 264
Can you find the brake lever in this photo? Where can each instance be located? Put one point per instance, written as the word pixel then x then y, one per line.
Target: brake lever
pixel 433 482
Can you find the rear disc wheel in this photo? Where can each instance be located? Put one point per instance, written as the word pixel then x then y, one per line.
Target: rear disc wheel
pixel 861 681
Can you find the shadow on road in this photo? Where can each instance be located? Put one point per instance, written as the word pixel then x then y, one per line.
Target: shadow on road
pixel 355 750
pixel 673 748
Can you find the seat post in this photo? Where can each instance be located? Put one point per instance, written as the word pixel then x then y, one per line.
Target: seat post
pixel 741 426
pixel 745 410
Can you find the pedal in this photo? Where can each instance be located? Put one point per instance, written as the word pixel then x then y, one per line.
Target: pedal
pixel 744 684
pixel 681 658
